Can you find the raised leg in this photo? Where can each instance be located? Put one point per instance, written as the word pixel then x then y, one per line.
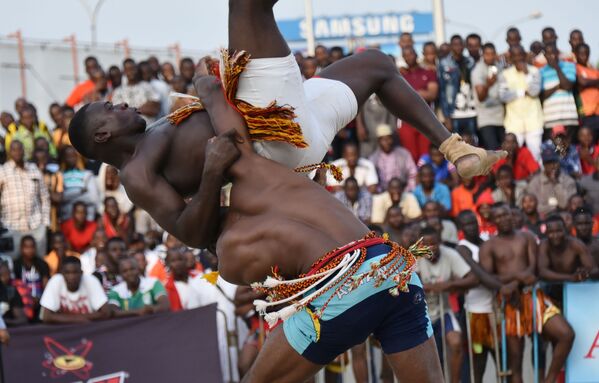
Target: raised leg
pixel 417 365
pixel 559 332
pixel 279 362
pixel 252 27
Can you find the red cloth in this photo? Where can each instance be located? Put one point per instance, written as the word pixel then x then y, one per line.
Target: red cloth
pixel 524 164
pixel 79 240
pixel 589 168
pixel 78 92
pixel 173 294
pixel 111 231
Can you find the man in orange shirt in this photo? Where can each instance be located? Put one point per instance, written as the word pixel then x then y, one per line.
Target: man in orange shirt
pixel 588 88
pixel 462 197
pixel 87 86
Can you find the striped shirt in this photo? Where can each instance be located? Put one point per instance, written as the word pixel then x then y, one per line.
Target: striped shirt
pixel 24 199
pixel 560 107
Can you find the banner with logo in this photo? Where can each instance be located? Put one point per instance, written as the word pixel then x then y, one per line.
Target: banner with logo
pixel 582 312
pixel 173 347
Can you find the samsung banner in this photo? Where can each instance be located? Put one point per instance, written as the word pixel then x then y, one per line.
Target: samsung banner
pixel 582 312
pixel 173 348
pixel 360 26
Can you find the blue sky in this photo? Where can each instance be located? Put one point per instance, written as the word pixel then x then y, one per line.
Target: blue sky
pixel 201 24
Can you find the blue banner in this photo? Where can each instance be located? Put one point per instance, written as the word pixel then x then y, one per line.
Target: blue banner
pixel 582 312
pixel 359 26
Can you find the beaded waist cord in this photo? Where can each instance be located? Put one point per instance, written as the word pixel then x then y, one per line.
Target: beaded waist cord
pixel 334 270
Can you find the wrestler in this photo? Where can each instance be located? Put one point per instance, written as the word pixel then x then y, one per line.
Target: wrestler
pixel 583 223
pixel 174 157
pixel 512 257
pixel 278 227
pixel 563 258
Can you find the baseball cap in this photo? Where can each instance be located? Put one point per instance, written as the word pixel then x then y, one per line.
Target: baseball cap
pixel 557 130
pixel 549 155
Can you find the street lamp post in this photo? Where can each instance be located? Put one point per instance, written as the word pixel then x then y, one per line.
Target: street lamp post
pixel 93 17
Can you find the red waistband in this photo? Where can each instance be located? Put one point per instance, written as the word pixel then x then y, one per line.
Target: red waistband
pixel 364 242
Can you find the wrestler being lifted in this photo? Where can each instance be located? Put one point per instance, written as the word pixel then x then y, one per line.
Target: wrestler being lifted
pixel 117 135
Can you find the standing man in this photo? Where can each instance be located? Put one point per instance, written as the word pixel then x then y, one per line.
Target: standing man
pixel 587 82
pixel 473 46
pixel 424 82
pixel 24 199
pixel 557 84
pixel 77 94
pixel 455 90
pixel 512 257
pixel 583 223
pixel 576 39
pixel 489 108
pixel 137 93
pixel 519 88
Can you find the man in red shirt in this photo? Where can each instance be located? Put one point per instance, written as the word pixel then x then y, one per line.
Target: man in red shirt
pixel 81 89
pixel 424 82
pixel 519 158
pixel 78 231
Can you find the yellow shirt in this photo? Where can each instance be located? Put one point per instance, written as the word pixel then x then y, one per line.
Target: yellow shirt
pixel 523 114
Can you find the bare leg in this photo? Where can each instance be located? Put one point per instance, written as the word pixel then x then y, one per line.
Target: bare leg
pixel 359 363
pixel 386 371
pixel 456 354
pixel 252 28
pixel 559 332
pixel 515 349
pixel 279 362
pixel 480 364
pixel 417 365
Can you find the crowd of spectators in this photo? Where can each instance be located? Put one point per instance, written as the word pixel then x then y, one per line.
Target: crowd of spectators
pixel 75 249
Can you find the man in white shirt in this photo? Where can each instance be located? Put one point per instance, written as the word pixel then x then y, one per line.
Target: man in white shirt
pixel 71 297
pixel 444 272
pixel 352 165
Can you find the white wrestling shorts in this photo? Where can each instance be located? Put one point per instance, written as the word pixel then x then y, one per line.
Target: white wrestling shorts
pixel 322 106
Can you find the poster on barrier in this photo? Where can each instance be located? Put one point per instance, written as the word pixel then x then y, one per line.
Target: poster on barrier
pixel 171 347
pixel 582 312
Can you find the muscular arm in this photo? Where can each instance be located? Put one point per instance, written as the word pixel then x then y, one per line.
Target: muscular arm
pixel 487 279
pixel 586 260
pixel 545 271
pixel 528 275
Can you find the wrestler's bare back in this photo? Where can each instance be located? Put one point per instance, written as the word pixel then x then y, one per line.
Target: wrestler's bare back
pixel 279 218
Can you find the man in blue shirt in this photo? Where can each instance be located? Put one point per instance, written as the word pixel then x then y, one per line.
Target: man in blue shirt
pixel 430 190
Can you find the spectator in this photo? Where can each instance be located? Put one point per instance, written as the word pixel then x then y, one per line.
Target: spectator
pixel 309 67
pixel 583 223
pixel 11 304
pixel 513 39
pixel 506 188
pixel 60 134
pixel 167 72
pixel 446 271
pixel 462 197
pixel 88 258
pixel 26 131
pixel 53 182
pixel 55 112
pixel 321 54
pixel 115 224
pixel 395 196
pixel 24 199
pixel 587 82
pixel 519 88
pixel 423 81
pixel 136 295
pixel 392 161
pixel 430 190
pixel 447 230
pixel 532 218
pixel 187 71
pixel 455 91
pixel 429 57
pixel 31 270
pixel 79 185
pixel 140 258
pixel 445 171
pixel 352 165
pixel 590 186
pixel 484 202
pixel 115 76
pixel 101 91
pixel 576 39
pixel 72 297
pixel 76 96
pixel 179 286
pixel 137 93
pixel 560 142
pixel 473 46
pixel 372 115
pixel 160 87
pixel 356 200
pixel 109 185
pixel 405 41
pixel 489 108
pixel 336 54
pixel 59 251
pixel 193 266
pixel 518 158
pixel 588 150
pixel 536 48
pixel 394 223
pixel 552 187
pixel 557 82
pixel 108 272
pixel 548 37
pixel 77 230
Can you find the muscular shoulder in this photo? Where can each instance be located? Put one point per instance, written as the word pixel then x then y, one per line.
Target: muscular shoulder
pixel 576 244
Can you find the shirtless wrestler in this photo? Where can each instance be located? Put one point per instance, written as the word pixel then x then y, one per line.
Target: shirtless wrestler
pixel 512 257
pixel 279 220
pixel 583 223
pixel 117 135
